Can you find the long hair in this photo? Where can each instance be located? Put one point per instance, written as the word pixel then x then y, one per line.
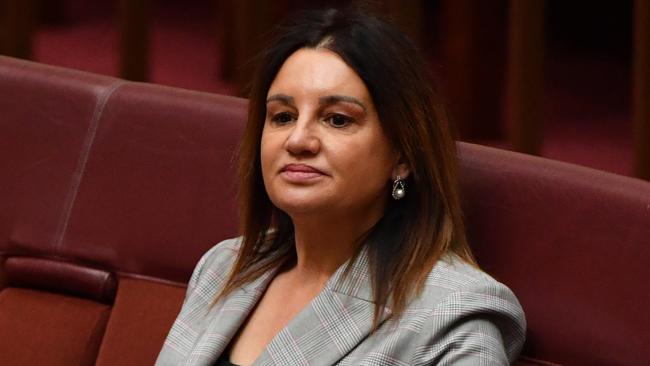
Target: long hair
pixel 415 231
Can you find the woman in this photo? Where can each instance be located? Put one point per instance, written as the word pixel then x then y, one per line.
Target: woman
pixel 353 250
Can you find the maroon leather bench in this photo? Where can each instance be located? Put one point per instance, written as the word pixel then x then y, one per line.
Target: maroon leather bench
pixel 110 191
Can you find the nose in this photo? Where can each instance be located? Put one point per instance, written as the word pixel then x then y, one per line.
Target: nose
pixel 303 138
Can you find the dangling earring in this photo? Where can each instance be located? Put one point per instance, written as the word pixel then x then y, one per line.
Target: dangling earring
pixel 399 190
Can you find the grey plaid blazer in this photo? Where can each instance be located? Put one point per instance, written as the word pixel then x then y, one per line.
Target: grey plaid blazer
pixel 463 317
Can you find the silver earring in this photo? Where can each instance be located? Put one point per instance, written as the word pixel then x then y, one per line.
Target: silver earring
pixel 399 190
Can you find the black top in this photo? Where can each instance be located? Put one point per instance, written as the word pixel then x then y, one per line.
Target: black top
pixel 224 360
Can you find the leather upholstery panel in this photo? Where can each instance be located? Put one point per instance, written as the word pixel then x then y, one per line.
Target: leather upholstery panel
pixel 45 116
pixel 159 176
pixel 574 245
pixel 142 315
pixel 57 276
pixel 3 277
pixel 40 328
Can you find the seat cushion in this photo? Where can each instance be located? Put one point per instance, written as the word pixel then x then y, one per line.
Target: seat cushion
pixel 42 328
pixel 142 315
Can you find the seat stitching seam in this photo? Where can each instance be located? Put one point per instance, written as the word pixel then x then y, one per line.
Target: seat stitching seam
pixel 78 174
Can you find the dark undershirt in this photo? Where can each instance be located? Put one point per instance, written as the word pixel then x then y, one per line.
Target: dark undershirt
pixel 224 360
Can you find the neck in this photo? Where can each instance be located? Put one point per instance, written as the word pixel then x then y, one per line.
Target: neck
pixel 323 244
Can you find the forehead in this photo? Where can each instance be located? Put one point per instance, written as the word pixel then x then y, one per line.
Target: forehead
pixel 317 72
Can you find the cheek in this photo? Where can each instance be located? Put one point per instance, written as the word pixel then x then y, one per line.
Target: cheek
pixel 268 143
pixel 367 165
pixel 267 153
pixel 382 160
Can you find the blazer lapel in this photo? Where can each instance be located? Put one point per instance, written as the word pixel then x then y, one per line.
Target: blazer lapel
pixel 331 325
pixel 226 319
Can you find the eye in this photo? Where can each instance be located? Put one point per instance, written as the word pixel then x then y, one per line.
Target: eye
pixel 338 120
pixel 282 118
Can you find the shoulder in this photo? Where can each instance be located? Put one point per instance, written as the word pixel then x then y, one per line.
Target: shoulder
pixel 224 251
pixel 221 254
pixel 208 278
pixel 452 276
pixel 473 315
pixel 214 266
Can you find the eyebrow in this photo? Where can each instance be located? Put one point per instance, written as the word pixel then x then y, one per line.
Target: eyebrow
pixel 285 99
pixel 327 100
pixel 333 99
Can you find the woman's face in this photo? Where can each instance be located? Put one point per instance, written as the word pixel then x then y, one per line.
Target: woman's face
pixel 323 150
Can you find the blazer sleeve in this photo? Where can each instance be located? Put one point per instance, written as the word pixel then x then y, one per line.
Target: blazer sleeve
pixel 479 324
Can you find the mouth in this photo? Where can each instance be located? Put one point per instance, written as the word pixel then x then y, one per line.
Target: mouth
pixel 300 173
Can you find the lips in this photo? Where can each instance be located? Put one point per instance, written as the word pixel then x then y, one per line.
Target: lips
pixel 300 172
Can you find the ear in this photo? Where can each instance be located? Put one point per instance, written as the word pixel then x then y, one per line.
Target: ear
pixel 402 170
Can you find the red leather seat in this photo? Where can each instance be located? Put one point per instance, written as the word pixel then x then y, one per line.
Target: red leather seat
pixel 573 243
pixel 110 191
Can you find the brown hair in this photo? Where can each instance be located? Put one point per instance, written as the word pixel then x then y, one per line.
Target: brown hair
pixel 415 231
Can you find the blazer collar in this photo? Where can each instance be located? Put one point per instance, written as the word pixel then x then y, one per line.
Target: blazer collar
pixel 332 324
pixel 327 329
pixel 225 319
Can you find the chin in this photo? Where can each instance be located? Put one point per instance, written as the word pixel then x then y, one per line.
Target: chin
pixel 298 199
pixel 299 206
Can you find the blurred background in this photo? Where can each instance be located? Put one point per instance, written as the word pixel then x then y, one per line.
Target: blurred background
pixel 568 80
